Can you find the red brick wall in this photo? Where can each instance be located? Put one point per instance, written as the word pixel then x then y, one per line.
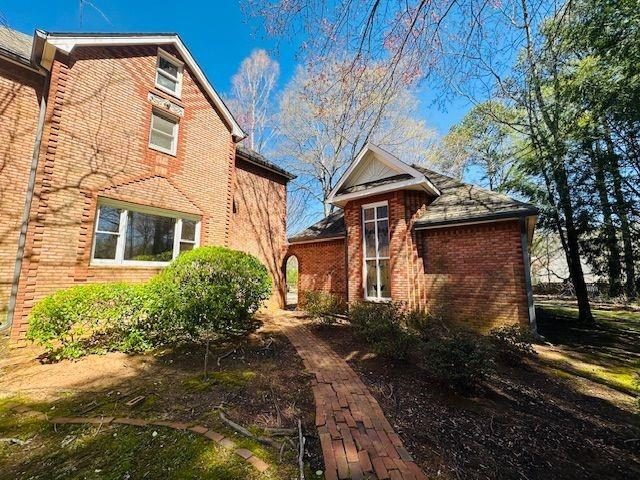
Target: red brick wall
pixel 95 143
pixel 474 275
pixel 321 267
pixel 258 223
pixel 447 271
pixel 20 92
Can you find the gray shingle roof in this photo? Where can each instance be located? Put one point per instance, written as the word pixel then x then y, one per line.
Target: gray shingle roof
pixel 260 160
pixel 15 44
pixel 459 202
pixel 375 183
pixel 331 226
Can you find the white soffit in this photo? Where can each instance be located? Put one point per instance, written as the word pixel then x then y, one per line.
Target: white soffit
pixel 371 164
pixel 66 44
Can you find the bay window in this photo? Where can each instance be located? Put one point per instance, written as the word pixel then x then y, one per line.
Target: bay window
pixel 136 235
pixel 377 277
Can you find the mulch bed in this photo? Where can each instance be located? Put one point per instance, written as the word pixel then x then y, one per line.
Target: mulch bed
pixel 525 422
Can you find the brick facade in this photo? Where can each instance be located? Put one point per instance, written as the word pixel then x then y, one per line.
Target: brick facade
pixel 20 91
pixel 258 223
pixel 321 267
pixel 472 275
pixel 95 145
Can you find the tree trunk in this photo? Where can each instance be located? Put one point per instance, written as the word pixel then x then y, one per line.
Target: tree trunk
pixel 611 241
pixel 572 251
pixel 621 209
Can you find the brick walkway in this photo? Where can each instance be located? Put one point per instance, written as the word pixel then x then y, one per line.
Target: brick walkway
pixel 357 440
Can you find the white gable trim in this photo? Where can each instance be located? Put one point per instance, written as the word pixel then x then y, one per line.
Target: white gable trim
pixel 66 44
pixel 392 162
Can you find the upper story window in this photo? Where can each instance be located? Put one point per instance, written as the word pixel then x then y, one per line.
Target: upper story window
pixel 377 276
pixel 134 235
pixel 169 73
pixel 164 132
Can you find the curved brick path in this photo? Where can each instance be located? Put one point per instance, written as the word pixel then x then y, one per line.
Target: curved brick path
pixel 357 440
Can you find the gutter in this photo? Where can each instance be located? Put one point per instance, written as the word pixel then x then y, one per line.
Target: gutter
pixel 524 238
pixel 26 212
pixel 475 220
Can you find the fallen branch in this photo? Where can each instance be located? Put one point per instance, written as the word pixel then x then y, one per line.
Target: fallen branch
pixel 280 431
pixel 301 441
pixel 225 355
pixel 243 431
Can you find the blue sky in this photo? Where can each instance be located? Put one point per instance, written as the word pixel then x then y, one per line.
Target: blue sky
pixel 218 33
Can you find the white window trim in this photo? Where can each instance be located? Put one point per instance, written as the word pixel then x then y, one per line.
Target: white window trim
pixel 176 129
pixel 126 207
pixel 377 258
pixel 178 79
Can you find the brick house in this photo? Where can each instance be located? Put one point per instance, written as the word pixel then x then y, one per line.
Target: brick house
pixel 406 233
pixel 116 154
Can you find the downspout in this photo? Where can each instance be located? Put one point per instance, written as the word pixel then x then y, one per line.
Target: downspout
pixel 527 276
pixel 27 204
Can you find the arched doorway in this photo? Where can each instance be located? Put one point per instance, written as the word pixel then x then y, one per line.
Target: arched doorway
pixel 291 276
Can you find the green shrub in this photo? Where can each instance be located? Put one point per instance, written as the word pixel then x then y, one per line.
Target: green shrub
pixel 210 291
pixel 511 344
pixel 67 321
pixel 324 307
pixel 382 325
pixel 213 291
pixel 457 358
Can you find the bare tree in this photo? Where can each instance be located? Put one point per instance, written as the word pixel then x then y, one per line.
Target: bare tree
pixel 327 113
pixel 252 97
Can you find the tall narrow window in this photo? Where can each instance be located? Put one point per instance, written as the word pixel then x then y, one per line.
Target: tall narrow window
pixel 169 73
pixel 375 220
pixel 164 133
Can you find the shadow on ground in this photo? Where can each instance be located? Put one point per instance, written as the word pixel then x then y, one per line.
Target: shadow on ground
pixel 259 380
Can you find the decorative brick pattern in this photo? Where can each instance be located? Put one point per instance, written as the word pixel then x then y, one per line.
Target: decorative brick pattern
pixel 95 144
pixel 224 442
pixel 357 440
pixel 20 92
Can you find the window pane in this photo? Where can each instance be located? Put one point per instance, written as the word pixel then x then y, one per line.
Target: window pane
pixel 368 213
pixel 383 212
pixel 109 219
pixel 186 246
pixel 164 124
pixel 105 246
pixel 385 283
pixel 149 237
pixel 372 279
pixel 188 230
pixel 168 67
pixel 167 83
pixel 162 141
pixel 383 238
pixel 370 239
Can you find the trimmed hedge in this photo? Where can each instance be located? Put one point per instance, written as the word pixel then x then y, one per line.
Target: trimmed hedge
pixel 209 291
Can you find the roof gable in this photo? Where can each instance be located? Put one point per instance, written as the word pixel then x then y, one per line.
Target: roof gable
pixel 67 42
pixel 375 171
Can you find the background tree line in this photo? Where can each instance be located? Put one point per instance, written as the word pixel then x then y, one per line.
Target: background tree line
pixel 554 88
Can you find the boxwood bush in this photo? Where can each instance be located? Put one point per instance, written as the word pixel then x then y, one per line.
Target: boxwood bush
pixel 209 290
pixel 325 307
pixel 382 325
pixel 213 290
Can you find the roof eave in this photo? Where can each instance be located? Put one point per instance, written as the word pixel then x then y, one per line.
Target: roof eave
pixel 67 42
pixel 426 225
pixel 341 200
pixel 294 241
